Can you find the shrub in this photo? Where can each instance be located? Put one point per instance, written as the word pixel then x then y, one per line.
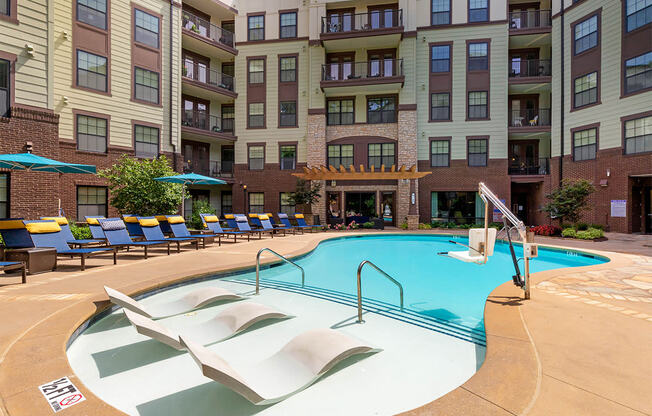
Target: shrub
pixel 568 201
pixel 336 227
pixel 80 233
pixel 546 230
pixel 368 224
pixel 425 226
pixel 597 226
pixel 590 234
pixel 199 206
pixel 581 226
pixel 404 225
pixel 569 233
pixel 496 225
pixel 353 226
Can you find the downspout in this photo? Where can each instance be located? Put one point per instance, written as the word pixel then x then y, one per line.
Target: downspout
pixel 563 99
pixel 172 143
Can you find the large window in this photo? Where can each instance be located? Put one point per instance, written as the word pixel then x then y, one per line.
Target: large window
pixel 441 12
pixel 92 12
pixel 5 7
pixel 439 153
pixel 288 25
pixel 4 195
pixel 256 27
pixel 478 105
pixel 478 11
pixel 585 144
pixel 458 207
pixel 586 34
pixel 226 203
pixel 440 107
pixel 478 56
pixel 288 116
pixel 288 154
pixel 91 201
pixel 256 115
pixel 256 71
pixel 477 152
pixel 5 87
pixel 256 157
pixel 638 73
pixel 91 71
pixel 228 118
pixel 586 89
pixel 381 154
pixel 146 85
pixel 146 141
pixel 91 133
pixel 381 110
pixel 147 27
pixel 639 13
pixel 286 206
pixel 638 135
pixel 440 58
pixel 288 69
pixel 340 154
pixel 257 202
pixel 340 112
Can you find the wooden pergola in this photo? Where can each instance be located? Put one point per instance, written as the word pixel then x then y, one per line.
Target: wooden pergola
pixel 330 173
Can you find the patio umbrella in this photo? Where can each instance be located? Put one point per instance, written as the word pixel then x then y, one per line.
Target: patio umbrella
pixel 190 179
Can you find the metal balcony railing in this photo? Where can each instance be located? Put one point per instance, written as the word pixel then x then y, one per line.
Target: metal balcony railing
pixel 349 22
pixel 208 76
pixel 214 168
pixel 530 68
pixel 540 166
pixel 375 69
pixel 530 117
pixel 525 19
pixel 201 121
pixel 207 30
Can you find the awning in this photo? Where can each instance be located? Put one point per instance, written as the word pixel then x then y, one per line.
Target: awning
pixel 331 174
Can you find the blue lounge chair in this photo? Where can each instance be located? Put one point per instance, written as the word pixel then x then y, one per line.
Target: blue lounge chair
pixel 133 226
pixel 243 225
pixel 152 232
pixel 285 220
pixel 67 233
pixel 255 222
pixel 163 223
pixel 301 222
pixel 213 224
pixel 280 226
pixel 94 226
pixel 267 225
pixel 178 226
pixel 14 234
pixel 230 222
pixel 14 265
pixel 117 236
pixel 48 234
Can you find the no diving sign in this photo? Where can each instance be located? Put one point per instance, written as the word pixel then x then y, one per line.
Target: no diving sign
pixel 61 394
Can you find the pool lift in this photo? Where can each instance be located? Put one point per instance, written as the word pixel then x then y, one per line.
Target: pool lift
pixel 482 240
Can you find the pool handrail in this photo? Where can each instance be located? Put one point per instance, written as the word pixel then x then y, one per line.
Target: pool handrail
pixel 303 273
pixel 390 278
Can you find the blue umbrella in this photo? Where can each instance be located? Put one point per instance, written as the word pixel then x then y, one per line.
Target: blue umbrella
pixel 190 179
pixel 28 161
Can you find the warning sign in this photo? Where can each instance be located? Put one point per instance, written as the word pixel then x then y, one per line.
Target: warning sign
pixel 61 394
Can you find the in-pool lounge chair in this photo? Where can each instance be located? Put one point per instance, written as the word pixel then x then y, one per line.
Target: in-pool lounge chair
pixel 301 222
pixel 297 365
pixel 152 232
pixel 287 224
pixel 213 224
pixel 94 226
pixel 179 230
pixel 117 236
pixel 243 225
pixel 226 324
pixel 14 265
pixel 67 233
pixel 48 234
pixel 193 300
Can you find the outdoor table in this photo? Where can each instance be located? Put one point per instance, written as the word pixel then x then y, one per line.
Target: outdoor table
pixel 37 260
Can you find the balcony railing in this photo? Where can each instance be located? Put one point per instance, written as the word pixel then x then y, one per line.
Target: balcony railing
pixel 532 166
pixel 207 30
pixel 206 122
pixel 378 69
pixel 214 168
pixel 530 117
pixel 530 68
pixel 526 19
pixel 373 20
pixel 210 77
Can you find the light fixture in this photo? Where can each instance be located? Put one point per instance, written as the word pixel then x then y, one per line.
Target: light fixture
pixel 29 49
pixel 608 172
pixel 66 35
pixel 65 100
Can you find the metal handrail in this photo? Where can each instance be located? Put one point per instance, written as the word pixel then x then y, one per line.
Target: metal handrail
pixel 391 279
pixel 303 273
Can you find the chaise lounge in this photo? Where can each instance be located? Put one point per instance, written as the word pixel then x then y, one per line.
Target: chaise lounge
pixel 213 224
pixel 117 236
pixel 179 230
pixel 67 233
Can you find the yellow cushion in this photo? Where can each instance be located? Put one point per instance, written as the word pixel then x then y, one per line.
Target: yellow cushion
pixel 177 219
pixel 42 227
pixel 298 215
pixel 161 218
pixel 11 225
pixel 253 215
pixel 269 214
pixel 148 222
pixel 93 221
pixel 229 216
pixel 131 219
pixel 210 218
pixel 263 217
pixel 59 220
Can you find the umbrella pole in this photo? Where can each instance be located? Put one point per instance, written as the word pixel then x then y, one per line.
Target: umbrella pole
pixel 183 200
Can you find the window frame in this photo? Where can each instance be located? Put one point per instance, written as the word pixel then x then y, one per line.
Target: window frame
pixel 107 119
pixel 432 58
pixel 281 205
pixel 469 12
pixel 448 141
pixel 470 59
pixel 383 146
pixel 249 205
pixel 282 71
pixel 105 13
pixel 249 158
pixel 432 94
pixel 10 62
pixel 470 139
pixel 626 92
pixel 281 145
pixel 249 115
pixel 581 129
pixel 282 13
pixel 629 118
pixel 249 29
pixel 136 26
pixel 340 113
pixel 597 32
pixel 250 72
pixel 77 69
pixel 626 17
pixel 432 14
pixel 158 87
pixel 106 198
pixel 339 145
pixel 147 125
pixel 280 114
pixel 468 105
pixel 597 91
pixel 393 97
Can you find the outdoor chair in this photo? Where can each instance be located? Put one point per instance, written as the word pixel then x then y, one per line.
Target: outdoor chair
pixel 14 234
pixel 212 223
pixel 280 226
pixel 163 223
pixel 266 225
pixel 230 222
pixel 67 233
pixel 14 265
pixel 301 222
pixel 285 220
pixel 255 222
pixel 179 230
pixel 133 226
pixel 152 232
pixel 243 225
pixel 117 236
pixel 94 226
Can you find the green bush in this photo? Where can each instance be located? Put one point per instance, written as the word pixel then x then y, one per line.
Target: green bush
pixel 597 226
pixel 199 206
pixel 590 234
pixel 368 224
pixel 569 232
pixel 404 225
pixel 581 226
pixel 425 226
pixel 80 233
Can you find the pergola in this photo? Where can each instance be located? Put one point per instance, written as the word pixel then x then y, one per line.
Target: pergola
pixel 330 173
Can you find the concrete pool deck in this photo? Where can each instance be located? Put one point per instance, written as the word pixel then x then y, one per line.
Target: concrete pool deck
pixel 565 351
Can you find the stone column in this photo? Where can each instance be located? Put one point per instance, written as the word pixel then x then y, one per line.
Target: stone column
pixel 407 155
pixel 316 153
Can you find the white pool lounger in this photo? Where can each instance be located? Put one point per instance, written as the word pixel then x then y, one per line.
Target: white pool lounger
pixel 301 362
pixel 191 301
pixel 226 324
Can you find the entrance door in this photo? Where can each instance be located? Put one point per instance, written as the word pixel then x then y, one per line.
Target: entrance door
pixel 196 157
pixel 523 110
pixel 387 208
pixel 195 113
pixel 520 206
pixel 228 157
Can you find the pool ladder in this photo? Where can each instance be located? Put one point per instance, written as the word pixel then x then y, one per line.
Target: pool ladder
pixel 303 273
pixel 382 272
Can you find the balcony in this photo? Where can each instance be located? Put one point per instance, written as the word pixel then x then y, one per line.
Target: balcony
pixel 214 168
pixel 527 167
pixel 346 31
pixel 530 21
pixel 207 83
pixel 199 125
pixel 206 38
pixel 376 76
pixel 530 71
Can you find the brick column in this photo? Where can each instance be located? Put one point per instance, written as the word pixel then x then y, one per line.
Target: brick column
pixel 407 155
pixel 316 153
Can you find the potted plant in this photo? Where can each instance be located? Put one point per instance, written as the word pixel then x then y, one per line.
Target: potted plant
pixel 304 196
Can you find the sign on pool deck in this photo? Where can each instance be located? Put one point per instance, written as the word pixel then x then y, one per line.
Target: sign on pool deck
pixel 618 207
pixel 61 394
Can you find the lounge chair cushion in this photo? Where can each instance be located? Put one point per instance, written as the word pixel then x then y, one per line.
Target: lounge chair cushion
pixel 263 217
pixel 12 225
pixel 130 218
pixel 148 222
pixel 112 224
pixel 43 227
pixel 210 218
pixel 59 220
pixel 229 216
pixel 253 215
pixel 92 221
pixel 176 219
pixel 298 215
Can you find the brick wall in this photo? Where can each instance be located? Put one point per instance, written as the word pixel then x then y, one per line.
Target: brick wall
pixel 272 181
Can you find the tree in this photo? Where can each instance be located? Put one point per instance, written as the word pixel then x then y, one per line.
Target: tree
pixel 569 200
pixel 199 207
pixel 305 193
pixel 134 190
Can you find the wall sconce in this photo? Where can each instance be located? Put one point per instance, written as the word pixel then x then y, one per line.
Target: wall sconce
pixel 303 93
pixel 423 39
pixel 333 183
pixel 66 35
pixel 303 48
pixel 29 146
pixel 608 172
pixel 29 49
pixel 423 87
pixel 65 100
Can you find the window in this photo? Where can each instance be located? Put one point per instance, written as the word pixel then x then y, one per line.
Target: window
pixel 226 203
pixel 478 10
pixel 91 201
pixel 638 135
pixel 288 155
pixel 146 85
pixel 288 69
pixel 381 110
pixel 638 73
pixel 256 71
pixel 91 71
pixel 4 7
pixel 340 154
pixel 228 118
pixel 585 144
pixel 256 202
pixel 639 13
pixel 339 112
pixel 256 157
pixel 92 12
pixel 440 58
pixel 441 12
pixel 586 34
pixel 146 141
pixel 586 89
pixel 4 195
pixel 256 26
pixel 288 114
pixel 286 206
pixel 477 152
pixel 91 133
pixel 478 56
pixel 381 154
pixel 439 153
pixel 5 87
pixel 440 106
pixel 288 25
pixel 457 206
pixel 478 105
pixel 256 115
pixel 146 31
